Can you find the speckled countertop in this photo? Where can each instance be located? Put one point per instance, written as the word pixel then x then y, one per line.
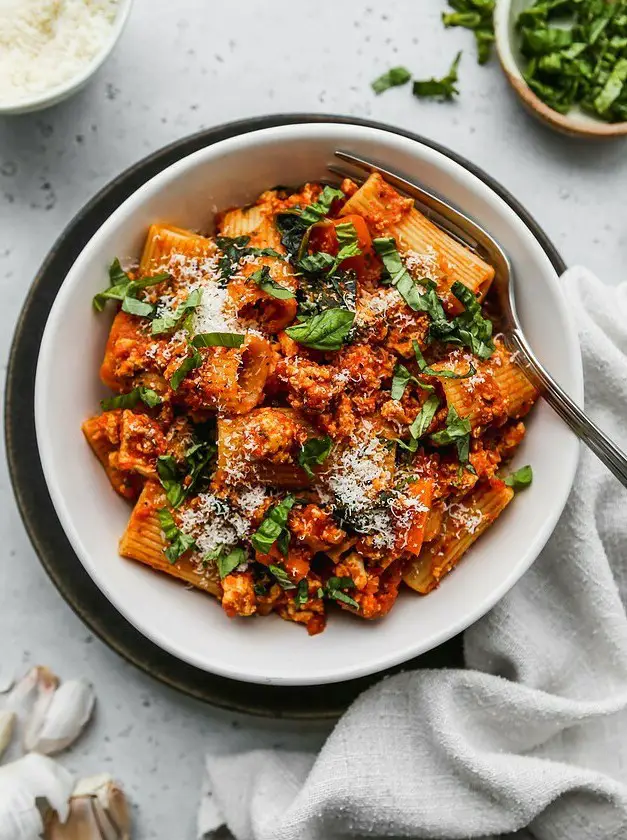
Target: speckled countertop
pixel 192 64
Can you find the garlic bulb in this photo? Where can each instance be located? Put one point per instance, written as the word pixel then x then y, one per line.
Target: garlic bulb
pixel 7 722
pixel 98 811
pixel 24 783
pixel 52 716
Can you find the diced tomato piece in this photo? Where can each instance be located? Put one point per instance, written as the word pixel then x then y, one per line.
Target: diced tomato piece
pixel 324 238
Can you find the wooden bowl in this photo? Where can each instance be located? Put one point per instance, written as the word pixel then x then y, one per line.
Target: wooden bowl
pixel 575 122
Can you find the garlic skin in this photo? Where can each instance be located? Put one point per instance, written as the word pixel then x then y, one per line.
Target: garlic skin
pixel 98 811
pixel 64 718
pixel 7 723
pixel 22 783
pixel 52 716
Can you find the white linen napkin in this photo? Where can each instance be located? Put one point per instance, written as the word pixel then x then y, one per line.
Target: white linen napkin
pixel 534 734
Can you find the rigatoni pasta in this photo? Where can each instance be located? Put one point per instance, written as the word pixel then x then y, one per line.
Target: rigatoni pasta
pixel 309 406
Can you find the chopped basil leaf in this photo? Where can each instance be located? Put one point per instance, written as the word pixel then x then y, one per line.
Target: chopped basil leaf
pixel 471 327
pixel 520 479
pixel 179 542
pixel 292 230
pixel 169 477
pixel 282 577
pixel 265 282
pixel 226 559
pixel 122 288
pixel 196 458
pixel 400 380
pixel 146 395
pixel 314 451
pixel 167 323
pixel 137 307
pixel 218 340
pixel 187 365
pixel 321 261
pixel 476 15
pixel 118 281
pixel 302 592
pixel 400 278
pixel 233 249
pixel 326 331
pixel 394 77
pixel 319 209
pixel 335 589
pixel 443 88
pixel 457 431
pixel 274 527
pixel 424 417
pixel 442 374
pixel 349 247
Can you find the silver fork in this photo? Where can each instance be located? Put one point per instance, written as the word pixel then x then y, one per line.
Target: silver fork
pixel 470 234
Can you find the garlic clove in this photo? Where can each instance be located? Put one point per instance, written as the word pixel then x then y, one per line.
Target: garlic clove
pixel 98 811
pixel 30 698
pixel 24 783
pixel 63 719
pixel 7 723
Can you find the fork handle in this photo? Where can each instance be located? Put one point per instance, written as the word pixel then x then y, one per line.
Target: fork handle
pixel 603 447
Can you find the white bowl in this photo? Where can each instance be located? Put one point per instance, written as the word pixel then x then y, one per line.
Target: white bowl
pixel 188 624
pixel 39 101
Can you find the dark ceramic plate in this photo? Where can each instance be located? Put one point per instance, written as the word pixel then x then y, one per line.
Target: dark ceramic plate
pixel 29 485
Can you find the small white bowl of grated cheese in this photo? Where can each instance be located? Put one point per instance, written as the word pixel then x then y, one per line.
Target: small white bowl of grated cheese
pixel 49 49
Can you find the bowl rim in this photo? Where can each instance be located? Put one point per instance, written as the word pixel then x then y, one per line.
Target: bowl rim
pixel 62 91
pixel 533 547
pixel 570 123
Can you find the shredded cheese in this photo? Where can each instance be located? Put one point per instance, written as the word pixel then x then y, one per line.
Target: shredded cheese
pixel 213 524
pixel 45 43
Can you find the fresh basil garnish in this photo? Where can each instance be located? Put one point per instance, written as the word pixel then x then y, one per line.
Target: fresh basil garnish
pixel 471 328
pixel 179 542
pixel 226 559
pixel 137 307
pixel 424 417
pixel 394 77
pixel 281 576
pixel 401 279
pixel 326 331
pixel 520 479
pixel 443 88
pixel 302 592
pixel 168 472
pixel 167 323
pixel 402 377
pixel 476 15
pixel 316 211
pixel 317 263
pixel 457 431
pixel 265 282
pixel 336 589
pixel 314 451
pixel 146 395
pixel 232 250
pixel 218 340
pixel 274 528
pixel 122 288
pixel 187 365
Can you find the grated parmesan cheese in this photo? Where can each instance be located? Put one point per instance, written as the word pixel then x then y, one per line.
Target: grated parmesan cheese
pixel 213 524
pixel 422 265
pixel 45 43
